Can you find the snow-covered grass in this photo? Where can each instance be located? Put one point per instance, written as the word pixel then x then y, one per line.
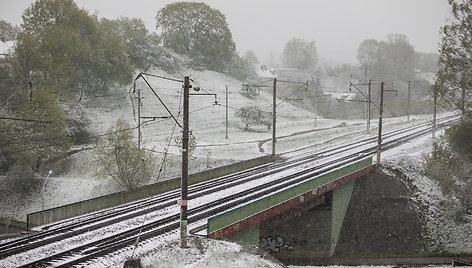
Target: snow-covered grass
pixel 200 253
pixel 442 233
pixel 208 253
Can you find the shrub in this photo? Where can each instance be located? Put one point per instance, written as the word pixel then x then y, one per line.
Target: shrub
pixel 466 195
pixel 250 91
pixel 443 166
pixel 120 160
pixel 452 172
pixel 251 115
pixel 77 122
pixel 192 144
pixel 458 213
pixel 20 179
pixel 460 135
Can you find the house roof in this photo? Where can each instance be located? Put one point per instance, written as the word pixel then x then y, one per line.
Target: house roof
pixel 264 71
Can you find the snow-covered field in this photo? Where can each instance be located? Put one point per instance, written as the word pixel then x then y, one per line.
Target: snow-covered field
pixel 296 130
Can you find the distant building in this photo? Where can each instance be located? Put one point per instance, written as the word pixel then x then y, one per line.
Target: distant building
pixel 264 72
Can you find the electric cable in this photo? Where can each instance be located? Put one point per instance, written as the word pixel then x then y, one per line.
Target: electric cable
pixel 171 136
pixel 16 92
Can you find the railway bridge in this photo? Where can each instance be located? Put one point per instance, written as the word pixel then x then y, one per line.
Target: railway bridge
pixel 252 221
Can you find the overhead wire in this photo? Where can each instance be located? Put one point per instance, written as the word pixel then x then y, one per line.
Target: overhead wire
pixel 200 109
pixel 16 92
pixel 171 136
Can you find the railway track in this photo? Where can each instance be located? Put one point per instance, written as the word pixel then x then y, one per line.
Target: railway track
pixel 159 227
pixel 168 223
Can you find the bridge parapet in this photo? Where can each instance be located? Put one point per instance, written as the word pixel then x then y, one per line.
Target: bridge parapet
pixel 116 199
pixel 248 216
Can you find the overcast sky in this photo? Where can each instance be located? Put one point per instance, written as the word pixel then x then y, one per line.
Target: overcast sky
pixel 265 26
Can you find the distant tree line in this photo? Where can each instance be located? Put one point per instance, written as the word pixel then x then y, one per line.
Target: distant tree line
pixel 300 54
pixel 394 59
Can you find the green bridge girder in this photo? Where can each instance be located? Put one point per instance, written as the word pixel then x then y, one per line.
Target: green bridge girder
pixel 242 223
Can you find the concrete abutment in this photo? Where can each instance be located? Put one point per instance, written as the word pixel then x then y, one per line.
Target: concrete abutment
pixel 372 216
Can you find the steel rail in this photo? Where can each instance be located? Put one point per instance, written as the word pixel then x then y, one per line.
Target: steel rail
pixel 171 223
pixel 198 189
pixel 126 238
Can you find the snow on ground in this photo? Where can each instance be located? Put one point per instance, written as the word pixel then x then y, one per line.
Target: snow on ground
pixel 209 253
pixel 364 266
pixel 295 128
pixel 200 253
pixel 443 234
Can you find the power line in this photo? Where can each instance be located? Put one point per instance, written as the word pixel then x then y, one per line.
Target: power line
pixel 27 120
pixel 16 92
pixel 140 75
pixel 161 77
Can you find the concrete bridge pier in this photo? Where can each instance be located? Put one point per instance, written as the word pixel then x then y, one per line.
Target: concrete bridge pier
pixel 303 220
pixel 288 233
pixel 373 216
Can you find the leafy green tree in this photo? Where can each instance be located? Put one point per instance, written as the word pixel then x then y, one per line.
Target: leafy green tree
pixel 38 135
pixel 240 68
pixel 15 72
pixel 68 50
pixel 197 31
pixel 61 35
pixel 8 85
pixel 300 54
pixel 135 36
pixel 119 159
pixel 110 62
pixel 454 79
